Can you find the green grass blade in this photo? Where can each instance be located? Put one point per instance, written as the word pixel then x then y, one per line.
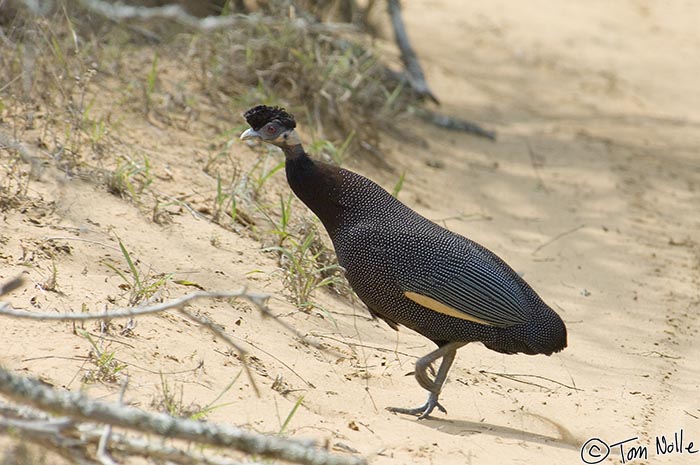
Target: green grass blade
pixel 132 267
pixel 399 185
pixel 291 414
pixel 119 272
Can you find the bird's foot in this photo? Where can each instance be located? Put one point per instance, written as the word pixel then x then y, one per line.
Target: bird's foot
pixel 424 410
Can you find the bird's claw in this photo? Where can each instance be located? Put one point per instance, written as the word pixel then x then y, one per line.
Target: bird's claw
pixel 424 410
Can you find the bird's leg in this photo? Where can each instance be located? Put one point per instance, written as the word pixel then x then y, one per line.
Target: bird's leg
pixel 425 364
pixel 434 387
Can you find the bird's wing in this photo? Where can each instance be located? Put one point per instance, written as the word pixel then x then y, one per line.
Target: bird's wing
pixel 472 290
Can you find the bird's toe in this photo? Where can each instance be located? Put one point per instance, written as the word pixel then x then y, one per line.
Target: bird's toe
pixel 424 410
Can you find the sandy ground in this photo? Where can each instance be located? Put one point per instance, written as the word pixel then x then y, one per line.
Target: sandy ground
pixel 591 192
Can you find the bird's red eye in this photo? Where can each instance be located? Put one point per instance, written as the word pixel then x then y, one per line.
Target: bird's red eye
pixel 271 129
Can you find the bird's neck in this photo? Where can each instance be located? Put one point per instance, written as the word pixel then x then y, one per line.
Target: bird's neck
pixel 317 184
pixel 294 152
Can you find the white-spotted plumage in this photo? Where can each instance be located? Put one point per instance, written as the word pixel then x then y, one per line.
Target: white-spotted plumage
pixel 388 249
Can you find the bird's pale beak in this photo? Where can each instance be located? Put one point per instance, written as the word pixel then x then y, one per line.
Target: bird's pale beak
pixel 250 134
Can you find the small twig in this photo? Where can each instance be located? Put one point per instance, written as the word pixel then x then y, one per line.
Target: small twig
pixel 102 453
pixel 8 43
pixel 266 312
pixel 80 239
pixel 13 80
pixel 217 332
pixel 377 154
pixel 557 237
pixel 415 73
pixel 195 214
pixel 292 370
pixel 516 377
pixel 109 339
pixel 366 346
pixel 658 354
pixel 535 165
pixel 39 426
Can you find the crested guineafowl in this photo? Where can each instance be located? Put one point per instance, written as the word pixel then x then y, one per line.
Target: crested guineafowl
pixel 408 270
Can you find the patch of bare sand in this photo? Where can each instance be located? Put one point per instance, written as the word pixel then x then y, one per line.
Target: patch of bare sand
pixel 591 192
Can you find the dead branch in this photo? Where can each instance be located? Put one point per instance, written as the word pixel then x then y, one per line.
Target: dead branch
pixel 173 12
pixel 120 12
pixel 256 299
pixel 410 60
pixel 416 79
pixel 48 434
pixel 455 124
pixel 259 300
pixel 159 451
pixel 56 433
pixel 78 406
pixel 36 425
pixel 141 447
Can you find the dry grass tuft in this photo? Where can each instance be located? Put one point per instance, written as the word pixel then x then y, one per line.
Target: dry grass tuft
pixel 52 67
pixel 333 79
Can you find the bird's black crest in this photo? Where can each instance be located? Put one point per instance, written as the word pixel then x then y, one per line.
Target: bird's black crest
pixel 260 115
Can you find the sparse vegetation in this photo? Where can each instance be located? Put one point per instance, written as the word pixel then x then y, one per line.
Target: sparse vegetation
pixel 330 76
pixel 141 286
pixel 107 367
pixel 338 83
pixel 328 150
pixel 129 179
pixel 306 264
pixel 171 400
pixel 14 183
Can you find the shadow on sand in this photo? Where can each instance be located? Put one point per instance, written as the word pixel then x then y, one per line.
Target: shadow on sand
pixel 563 438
